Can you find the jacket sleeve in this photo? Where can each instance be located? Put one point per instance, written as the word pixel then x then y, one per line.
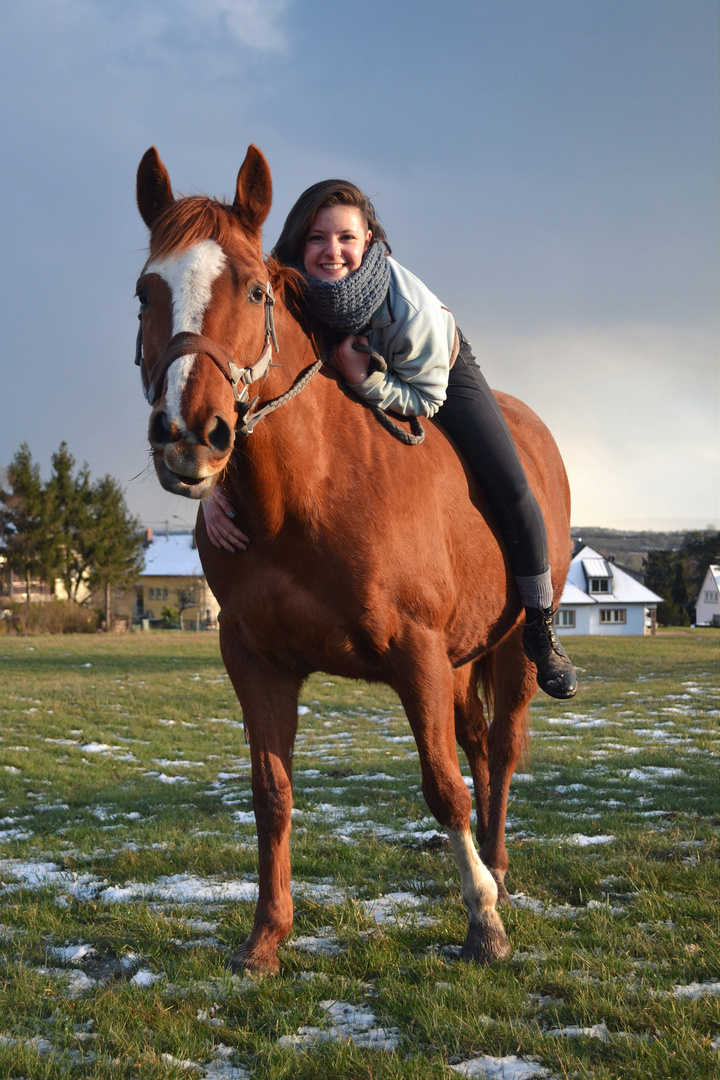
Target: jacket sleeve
pixel 418 359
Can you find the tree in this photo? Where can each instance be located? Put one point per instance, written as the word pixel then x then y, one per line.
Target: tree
pixel 699 550
pixel 677 575
pixel 69 519
pixel 660 568
pixel 113 541
pixel 187 598
pixel 23 526
pixel 68 528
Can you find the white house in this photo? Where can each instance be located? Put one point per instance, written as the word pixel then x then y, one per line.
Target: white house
pixel 173 578
pixel 600 598
pixel 707 607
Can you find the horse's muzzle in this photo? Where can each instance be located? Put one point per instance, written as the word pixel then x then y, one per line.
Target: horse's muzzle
pixel 188 486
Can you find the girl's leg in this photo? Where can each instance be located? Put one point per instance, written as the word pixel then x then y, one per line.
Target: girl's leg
pixel 473 418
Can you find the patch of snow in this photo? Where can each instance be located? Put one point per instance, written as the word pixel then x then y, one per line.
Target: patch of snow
pixel 323 943
pixel 71 954
pixel 579 840
pixel 77 981
pixel 42 1046
pixel 651 772
pixel 597 1031
pixel 350 1023
pixel 398 908
pixel 145 977
pixel 505 1068
pixel 697 990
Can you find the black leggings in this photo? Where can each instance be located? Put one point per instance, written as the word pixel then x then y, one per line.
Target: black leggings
pixel 471 415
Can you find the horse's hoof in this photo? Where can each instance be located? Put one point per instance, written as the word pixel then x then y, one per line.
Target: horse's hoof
pixel 486 941
pixel 247 959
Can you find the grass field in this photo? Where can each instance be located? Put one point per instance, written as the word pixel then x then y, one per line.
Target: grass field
pixel 128 873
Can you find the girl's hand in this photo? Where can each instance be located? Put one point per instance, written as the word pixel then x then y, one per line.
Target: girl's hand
pixel 352 365
pixel 217 512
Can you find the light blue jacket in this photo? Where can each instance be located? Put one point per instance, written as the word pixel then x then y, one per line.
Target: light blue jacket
pixel 416 335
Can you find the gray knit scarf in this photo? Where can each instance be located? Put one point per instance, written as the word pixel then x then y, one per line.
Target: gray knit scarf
pixel 348 305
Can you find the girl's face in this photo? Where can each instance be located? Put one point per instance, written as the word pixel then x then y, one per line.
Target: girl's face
pixel 336 243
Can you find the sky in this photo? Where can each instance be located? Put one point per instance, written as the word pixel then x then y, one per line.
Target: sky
pixel 549 168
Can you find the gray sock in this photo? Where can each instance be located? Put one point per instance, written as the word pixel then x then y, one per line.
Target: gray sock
pixel 535 591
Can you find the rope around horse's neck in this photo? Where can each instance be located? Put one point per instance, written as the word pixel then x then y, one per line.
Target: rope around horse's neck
pixel 416 434
pixel 251 418
pixel 410 438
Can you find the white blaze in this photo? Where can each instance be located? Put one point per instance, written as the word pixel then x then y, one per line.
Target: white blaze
pixel 189 275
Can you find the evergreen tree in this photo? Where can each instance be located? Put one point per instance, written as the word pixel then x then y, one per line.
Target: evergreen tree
pixel 660 569
pixel 69 499
pixel 69 528
pixel 677 575
pixel 699 550
pixel 113 541
pixel 23 511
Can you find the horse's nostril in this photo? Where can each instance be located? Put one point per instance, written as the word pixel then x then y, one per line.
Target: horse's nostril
pixel 220 436
pixel 160 432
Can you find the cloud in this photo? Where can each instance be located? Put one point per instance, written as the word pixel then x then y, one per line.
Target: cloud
pixel 133 32
pixel 638 440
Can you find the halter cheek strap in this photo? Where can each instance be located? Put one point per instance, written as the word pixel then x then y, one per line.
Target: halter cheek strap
pixel 186 343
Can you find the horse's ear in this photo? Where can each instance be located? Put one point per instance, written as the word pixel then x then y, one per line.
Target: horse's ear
pixel 154 192
pixel 254 190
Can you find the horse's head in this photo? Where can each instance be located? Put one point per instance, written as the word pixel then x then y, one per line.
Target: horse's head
pixel 205 316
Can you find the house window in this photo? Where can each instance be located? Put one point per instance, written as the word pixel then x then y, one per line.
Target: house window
pixel 613 615
pixel 599 584
pixel 565 619
pixel 151 594
pixel 165 594
pixel 711 597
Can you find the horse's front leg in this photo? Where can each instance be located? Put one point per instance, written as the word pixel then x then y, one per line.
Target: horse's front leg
pixel 425 685
pixel 269 702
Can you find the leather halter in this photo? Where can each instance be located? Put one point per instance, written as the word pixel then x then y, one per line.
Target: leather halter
pixel 187 343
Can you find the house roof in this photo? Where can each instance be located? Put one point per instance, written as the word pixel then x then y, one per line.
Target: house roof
pixel 624 588
pixel 172 556
pixel 713 573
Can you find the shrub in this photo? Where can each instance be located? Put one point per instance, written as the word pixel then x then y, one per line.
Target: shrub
pixel 170 618
pixel 52 617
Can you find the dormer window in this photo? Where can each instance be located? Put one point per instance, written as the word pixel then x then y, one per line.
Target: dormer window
pixel 598 576
pixel 599 585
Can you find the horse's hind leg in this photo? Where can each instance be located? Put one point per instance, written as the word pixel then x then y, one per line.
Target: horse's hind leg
pixel 269 703
pixel 514 686
pixel 424 681
pixel 471 732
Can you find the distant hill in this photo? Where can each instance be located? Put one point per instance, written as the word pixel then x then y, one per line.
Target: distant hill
pixel 628 548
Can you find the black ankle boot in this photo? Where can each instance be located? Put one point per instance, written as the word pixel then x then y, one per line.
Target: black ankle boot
pixel 555 674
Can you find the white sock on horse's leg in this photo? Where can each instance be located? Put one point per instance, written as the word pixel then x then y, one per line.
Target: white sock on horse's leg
pixel 478 886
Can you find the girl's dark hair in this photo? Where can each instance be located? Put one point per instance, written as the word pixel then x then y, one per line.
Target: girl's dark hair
pixel 291 243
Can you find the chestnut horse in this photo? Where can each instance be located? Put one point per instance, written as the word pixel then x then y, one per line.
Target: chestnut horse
pixel 369 559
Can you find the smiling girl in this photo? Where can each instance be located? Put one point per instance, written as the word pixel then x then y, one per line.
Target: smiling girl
pixel 361 296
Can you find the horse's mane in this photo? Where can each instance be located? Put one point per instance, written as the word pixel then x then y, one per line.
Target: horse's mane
pixel 188 221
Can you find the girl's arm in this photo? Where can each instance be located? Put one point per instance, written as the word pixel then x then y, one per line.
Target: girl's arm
pixel 418 357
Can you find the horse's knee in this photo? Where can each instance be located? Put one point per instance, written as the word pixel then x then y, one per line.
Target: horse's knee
pixel 272 807
pixel 449 803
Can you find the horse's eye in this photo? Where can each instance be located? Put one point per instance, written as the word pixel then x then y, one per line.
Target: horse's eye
pixel 142 297
pixel 257 295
